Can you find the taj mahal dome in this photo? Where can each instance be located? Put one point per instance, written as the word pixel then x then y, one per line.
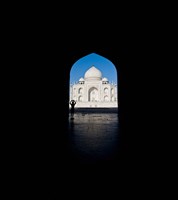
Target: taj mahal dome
pixel 93 90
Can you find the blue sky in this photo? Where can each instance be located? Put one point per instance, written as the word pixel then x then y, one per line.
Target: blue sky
pixel 83 64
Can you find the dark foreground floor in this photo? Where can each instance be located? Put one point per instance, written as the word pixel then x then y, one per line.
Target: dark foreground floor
pixel 94 158
pixel 93 136
pixel 89 157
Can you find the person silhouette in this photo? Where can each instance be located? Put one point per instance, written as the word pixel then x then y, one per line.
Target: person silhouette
pixel 72 103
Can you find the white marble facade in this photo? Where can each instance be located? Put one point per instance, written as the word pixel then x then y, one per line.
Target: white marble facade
pixel 94 90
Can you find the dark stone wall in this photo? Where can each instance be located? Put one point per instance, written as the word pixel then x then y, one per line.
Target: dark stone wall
pixel 44 47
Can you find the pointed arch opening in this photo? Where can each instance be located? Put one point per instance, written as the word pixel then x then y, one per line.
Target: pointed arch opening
pixel 93 95
pixel 94 82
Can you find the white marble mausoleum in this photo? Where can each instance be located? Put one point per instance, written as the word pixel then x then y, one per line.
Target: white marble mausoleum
pixel 93 90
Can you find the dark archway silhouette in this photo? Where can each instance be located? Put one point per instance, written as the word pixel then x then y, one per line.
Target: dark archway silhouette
pixel 52 108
